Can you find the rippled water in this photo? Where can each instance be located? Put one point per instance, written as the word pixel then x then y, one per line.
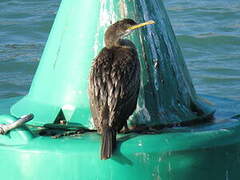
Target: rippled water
pixel 24 28
pixel 208 33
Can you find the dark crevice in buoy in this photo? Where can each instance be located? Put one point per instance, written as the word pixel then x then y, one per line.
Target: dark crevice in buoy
pixel 60 119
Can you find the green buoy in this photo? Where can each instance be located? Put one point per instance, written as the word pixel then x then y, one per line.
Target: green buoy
pixel 167 98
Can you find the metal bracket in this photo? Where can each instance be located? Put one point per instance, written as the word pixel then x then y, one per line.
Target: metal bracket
pixel 4 128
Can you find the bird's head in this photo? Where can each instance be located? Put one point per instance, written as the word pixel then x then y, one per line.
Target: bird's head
pixel 120 29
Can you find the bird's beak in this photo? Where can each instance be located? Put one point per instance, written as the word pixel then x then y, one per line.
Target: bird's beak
pixel 141 25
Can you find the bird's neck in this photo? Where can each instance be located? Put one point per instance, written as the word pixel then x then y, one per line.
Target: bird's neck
pixel 112 39
pixel 124 43
pixel 111 42
pixel 112 45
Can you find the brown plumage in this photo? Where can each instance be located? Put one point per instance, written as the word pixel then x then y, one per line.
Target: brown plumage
pixel 114 84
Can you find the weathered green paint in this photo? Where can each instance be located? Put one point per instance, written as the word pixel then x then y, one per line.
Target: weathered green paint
pixel 204 152
pixel 76 38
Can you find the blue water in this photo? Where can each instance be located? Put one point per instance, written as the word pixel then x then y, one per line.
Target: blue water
pixel 24 28
pixel 209 35
pixel 207 31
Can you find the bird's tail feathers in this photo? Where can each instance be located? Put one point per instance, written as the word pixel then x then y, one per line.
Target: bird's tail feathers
pixel 108 143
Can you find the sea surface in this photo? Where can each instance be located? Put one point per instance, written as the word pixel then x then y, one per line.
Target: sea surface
pixel 207 31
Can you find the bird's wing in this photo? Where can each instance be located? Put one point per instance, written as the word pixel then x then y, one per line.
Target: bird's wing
pixel 99 77
pixel 124 87
pixel 114 86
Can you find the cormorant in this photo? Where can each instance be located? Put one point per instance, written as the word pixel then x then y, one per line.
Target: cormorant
pixel 114 83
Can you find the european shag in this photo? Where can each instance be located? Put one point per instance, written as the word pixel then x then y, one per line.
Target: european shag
pixel 114 83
